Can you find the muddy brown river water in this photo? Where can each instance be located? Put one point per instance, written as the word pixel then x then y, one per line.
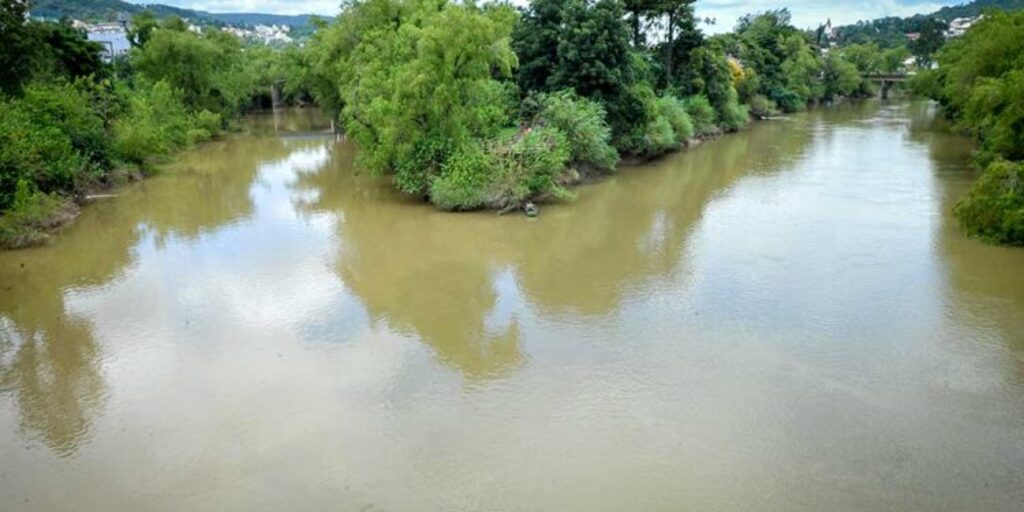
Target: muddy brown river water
pixel 784 319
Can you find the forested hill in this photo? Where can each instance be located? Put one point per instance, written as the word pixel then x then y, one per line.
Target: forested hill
pixel 890 31
pixel 107 10
pixel 972 9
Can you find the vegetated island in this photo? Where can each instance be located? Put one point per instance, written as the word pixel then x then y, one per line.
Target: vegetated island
pixel 513 107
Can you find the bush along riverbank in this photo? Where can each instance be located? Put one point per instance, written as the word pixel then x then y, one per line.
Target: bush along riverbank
pixel 519 104
pixel 979 83
pixel 515 106
pixel 74 125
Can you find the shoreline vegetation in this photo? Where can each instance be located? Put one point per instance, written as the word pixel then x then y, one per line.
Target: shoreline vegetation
pixel 514 107
pixel 979 83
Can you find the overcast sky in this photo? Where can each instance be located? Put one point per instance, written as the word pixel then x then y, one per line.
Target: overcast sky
pixel 806 13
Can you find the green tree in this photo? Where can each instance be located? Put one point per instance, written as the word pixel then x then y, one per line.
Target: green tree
pixel 18 45
pixel 593 57
pixel 929 40
pixel 141 28
pixel 208 69
pixel 535 41
pixel 840 77
pixel 980 84
pixel 866 57
pixel 681 33
pixel 65 52
pixel 414 89
pixel 787 67
pixel 893 58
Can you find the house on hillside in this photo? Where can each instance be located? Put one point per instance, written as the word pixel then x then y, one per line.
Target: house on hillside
pixel 959 26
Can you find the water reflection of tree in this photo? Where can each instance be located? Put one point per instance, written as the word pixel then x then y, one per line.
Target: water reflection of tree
pixel 986 282
pixel 434 273
pixel 417 278
pixel 50 359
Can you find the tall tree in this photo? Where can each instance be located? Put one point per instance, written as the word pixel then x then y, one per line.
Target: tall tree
pixel 535 41
pixel 17 45
pixel 929 40
pixel 680 27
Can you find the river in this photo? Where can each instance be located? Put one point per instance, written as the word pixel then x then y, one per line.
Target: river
pixel 784 319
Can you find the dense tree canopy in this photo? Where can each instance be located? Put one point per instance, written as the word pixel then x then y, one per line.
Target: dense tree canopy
pixel 466 104
pixel 980 84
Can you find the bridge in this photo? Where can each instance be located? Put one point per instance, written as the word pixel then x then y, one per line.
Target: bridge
pixel 887 80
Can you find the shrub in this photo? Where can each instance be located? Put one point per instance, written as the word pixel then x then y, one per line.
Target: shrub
pixel 702 114
pixel 674 111
pixel 69 109
pixel 660 137
pixel 733 115
pixel 30 215
pixel 209 121
pixel 582 122
pixel 464 180
pixel 994 207
pixel 762 107
pixel 630 114
pixel 416 169
pixel 528 165
pixel 787 100
pixel 33 152
pixel 155 124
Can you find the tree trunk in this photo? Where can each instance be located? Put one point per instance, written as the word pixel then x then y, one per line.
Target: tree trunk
pixel 671 45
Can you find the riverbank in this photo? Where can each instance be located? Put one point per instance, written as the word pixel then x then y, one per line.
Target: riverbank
pixel 38 223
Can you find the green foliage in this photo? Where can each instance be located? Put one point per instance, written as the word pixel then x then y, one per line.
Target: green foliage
pixel 733 115
pixel 787 67
pixel 69 109
pixel 528 165
pixel 840 77
pixel 994 207
pixel 702 115
pixel 582 122
pixel 32 213
pixel 787 100
pixel 18 45
pixel 585 46
pixel 465 179
pixel 673 110
pixel 413 85
pixel 208 69
pixel 41 50
pixel 980 84
pixel 156 123
pixel 35 153
pixel 504 173
pixel 929 41
pixel 660 137
pixel 893 58
pixel 866 58
pixel 64 52
pixel 762 107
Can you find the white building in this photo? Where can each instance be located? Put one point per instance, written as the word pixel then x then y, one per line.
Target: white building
pixel 959 26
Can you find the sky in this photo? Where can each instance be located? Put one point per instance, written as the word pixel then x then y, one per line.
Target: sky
pixel 806 13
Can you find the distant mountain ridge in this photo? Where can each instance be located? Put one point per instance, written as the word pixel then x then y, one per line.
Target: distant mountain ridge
pixel 975 8
pixel 891 31
pixel 108 10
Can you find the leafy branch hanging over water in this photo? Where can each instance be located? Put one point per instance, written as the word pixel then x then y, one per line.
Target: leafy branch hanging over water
pixel 980 84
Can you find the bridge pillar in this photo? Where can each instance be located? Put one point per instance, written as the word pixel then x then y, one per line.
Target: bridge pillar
pixel 886 85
